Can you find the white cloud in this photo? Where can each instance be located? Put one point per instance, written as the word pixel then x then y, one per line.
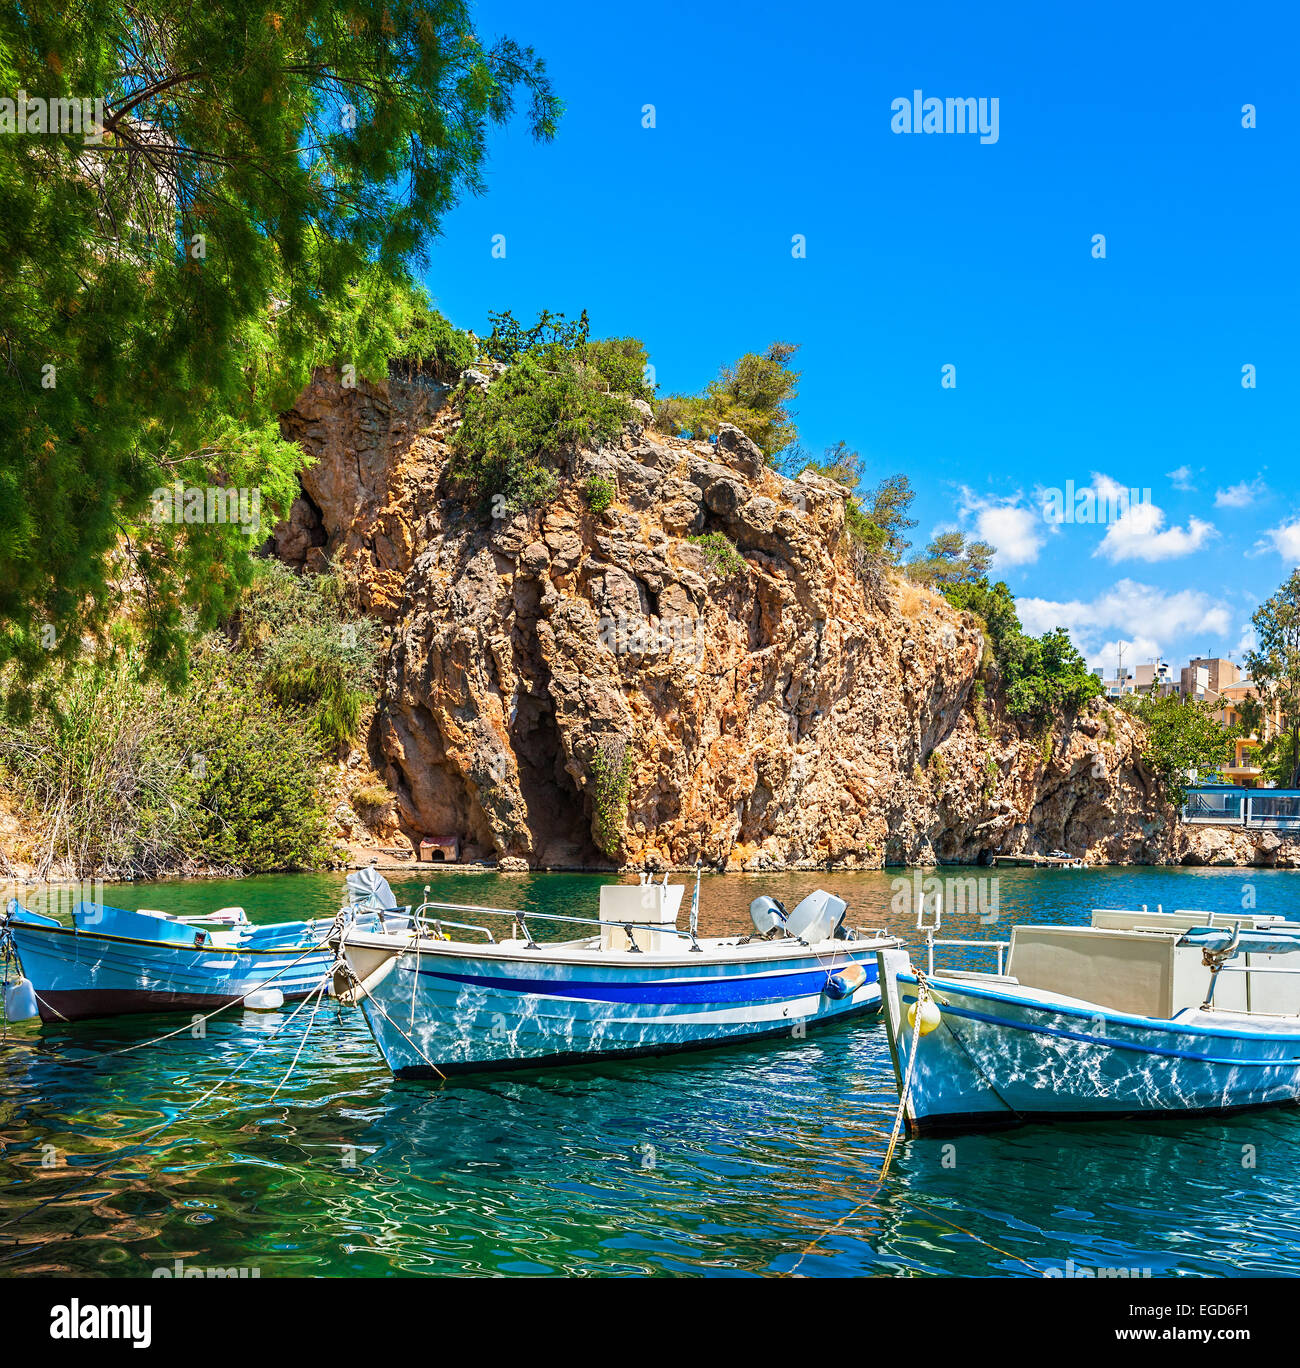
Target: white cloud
pixel 1239 495
pixel 1017 531
pixel 1284 539
pixel 1140 534
pixel 1181 478
pixel 1098 624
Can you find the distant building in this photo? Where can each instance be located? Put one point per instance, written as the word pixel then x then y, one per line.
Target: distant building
pixel 1155 678
pixel 1245 768
pixel 1119 684
pixel 1205 677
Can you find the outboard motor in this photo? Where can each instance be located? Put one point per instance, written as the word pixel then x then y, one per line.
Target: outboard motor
pixel 767 915
pixel 817 918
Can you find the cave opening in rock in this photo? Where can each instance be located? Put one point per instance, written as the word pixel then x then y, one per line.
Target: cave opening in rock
pixel 557 815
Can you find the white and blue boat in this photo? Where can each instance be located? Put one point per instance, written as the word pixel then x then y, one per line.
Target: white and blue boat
pixel 113 962
pixel 1140 1014
pixel 638 986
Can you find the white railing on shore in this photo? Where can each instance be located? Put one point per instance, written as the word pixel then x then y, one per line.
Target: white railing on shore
pixel 1252 809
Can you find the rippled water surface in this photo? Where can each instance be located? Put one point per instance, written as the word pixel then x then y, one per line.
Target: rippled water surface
pixel 743 1161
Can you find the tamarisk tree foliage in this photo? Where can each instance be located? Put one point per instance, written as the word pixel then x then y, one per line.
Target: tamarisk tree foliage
pixel 259 183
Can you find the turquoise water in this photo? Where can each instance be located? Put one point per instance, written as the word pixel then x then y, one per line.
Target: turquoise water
pixel 726 1163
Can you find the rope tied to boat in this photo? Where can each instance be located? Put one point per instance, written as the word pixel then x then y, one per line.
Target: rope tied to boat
pixel 922 996
pixel 342 964
pixel 904 1093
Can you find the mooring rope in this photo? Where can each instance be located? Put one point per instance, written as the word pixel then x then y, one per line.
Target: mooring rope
pixel 342 963
pixel 922 996
pixel 903 1093
pixel 311 1021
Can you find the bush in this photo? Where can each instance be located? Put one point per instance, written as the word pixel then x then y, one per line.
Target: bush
pixel 622 363
pixel 513 434
pixel 105 776
pixel 1046 676
pixel 128 781
pixel 616 365
pixel 370 800
pixel 611 771
pixel 309 651
pixel 720 551
pixel 876 522
pixel 259 802
pixel 754 395
pixel 1043 676
pixel 599 494
pixel 429 345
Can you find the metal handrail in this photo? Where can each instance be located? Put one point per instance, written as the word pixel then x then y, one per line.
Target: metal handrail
pixel 440 922
pixel 1000 946
pixel 520 920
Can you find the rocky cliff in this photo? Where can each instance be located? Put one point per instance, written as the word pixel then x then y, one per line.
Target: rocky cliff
pixel 549 670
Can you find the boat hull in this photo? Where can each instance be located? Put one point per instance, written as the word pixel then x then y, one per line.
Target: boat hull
pixel 81 974
pixel 1003 1057
pixel 446 1012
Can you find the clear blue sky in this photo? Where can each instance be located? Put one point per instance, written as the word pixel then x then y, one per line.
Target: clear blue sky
pixel 928 250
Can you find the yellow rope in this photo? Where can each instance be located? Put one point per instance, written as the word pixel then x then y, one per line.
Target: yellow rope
pixel 922 996
pixel 923 992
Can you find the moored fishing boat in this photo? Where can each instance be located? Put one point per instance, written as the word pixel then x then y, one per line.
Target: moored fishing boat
pixel 1140 1014
pixel 114 962
pixel 639 986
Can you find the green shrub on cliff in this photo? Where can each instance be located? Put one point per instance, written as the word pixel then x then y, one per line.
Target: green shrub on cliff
pixel 425 343
pixel 309 650
pixel 951 559
pixel 1043 677
pixel 599 494
pixel 611 772
pixel 720 552
pixel 876 521
pixel 754 395
pixel 259 803
pixel 1046 677
pixel 618 365
pixel 507 449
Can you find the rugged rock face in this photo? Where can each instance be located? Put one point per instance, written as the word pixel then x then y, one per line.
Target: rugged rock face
pixel 789 710
pixel 1211 845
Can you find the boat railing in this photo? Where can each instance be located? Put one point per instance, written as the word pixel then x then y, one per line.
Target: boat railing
pixel 439 922
pixel 931 941
pixel 519 920
pixel 1000 945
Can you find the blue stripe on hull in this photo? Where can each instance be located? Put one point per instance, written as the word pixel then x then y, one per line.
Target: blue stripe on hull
pixel 490 1015
pixel 774 988
pixel 452 1069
